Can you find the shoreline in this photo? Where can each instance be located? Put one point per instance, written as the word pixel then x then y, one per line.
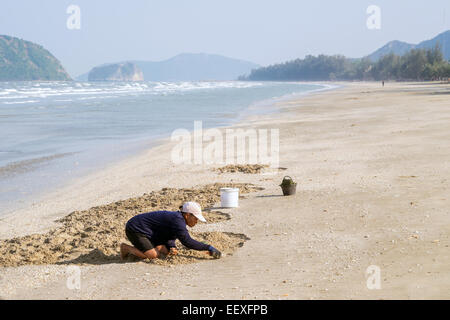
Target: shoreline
pixel 373 174
pixel 13 217
pixel 87 158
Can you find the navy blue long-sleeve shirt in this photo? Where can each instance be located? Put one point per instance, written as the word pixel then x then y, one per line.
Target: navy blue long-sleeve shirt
pixel 164 227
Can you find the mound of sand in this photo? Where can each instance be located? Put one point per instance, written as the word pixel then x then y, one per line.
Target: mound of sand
pixel 215 216
pixel 244 168
pixel 94 235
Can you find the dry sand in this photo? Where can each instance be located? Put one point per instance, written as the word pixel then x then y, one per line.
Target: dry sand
pixel 373 171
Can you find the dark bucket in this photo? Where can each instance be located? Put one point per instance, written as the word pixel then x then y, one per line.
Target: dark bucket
pixel 288 186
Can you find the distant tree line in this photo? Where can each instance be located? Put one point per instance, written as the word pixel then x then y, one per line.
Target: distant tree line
pixel 417 64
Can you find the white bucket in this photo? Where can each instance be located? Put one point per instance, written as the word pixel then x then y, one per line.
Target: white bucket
pixel 229 197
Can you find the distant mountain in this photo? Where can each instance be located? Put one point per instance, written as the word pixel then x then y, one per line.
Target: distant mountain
pixel 400 48
pixel 443 39
pixel 192 67
pixel 127 71
pixel 22 60
pixel 396 47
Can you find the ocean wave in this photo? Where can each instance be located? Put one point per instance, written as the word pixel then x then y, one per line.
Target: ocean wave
pixel 46 90
pixel 202 85
pixel 12 97
pixel 21 102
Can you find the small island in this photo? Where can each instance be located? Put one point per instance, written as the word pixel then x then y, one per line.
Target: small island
pixel 126 71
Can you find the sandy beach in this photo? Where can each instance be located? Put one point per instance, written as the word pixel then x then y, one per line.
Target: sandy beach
pixel 372 165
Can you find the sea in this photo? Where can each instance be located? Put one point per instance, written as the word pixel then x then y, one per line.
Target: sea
pixel 54 132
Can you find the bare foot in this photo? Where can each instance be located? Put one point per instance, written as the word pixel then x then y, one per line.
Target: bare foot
pixel 123 251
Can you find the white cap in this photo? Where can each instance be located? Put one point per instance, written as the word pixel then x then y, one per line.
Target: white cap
pixel 195 209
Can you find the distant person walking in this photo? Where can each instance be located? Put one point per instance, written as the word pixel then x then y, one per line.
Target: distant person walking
pixel 382 83
pixel 153 234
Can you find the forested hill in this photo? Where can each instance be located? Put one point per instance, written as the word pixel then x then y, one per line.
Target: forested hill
pixel 22 60
pixel 417 64
pixel 396 60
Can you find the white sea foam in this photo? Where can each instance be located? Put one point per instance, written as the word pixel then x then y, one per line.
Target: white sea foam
pixel 12 97
pixel 47 90
pixel 20 102
pixel 201 85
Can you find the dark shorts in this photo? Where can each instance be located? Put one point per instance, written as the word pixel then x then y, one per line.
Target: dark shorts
pixel 139 240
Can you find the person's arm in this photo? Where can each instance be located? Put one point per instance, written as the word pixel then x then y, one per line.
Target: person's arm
pixel 170 244
pixel 187 241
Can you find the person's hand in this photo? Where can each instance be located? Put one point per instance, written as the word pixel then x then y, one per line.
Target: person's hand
pixel 214 252
pixel 173 251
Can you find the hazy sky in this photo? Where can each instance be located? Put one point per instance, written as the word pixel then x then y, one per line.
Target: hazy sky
pixel 261 31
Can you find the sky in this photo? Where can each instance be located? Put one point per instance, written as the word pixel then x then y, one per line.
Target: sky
pixel 261 31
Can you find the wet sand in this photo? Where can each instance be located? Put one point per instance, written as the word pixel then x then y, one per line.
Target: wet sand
pixel 373 174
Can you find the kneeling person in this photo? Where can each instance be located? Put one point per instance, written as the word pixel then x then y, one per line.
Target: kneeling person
pixel 153 234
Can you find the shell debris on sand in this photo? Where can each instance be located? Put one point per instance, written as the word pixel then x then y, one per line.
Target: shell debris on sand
pixel 93 236
pixel 226 242
pixel 244 168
